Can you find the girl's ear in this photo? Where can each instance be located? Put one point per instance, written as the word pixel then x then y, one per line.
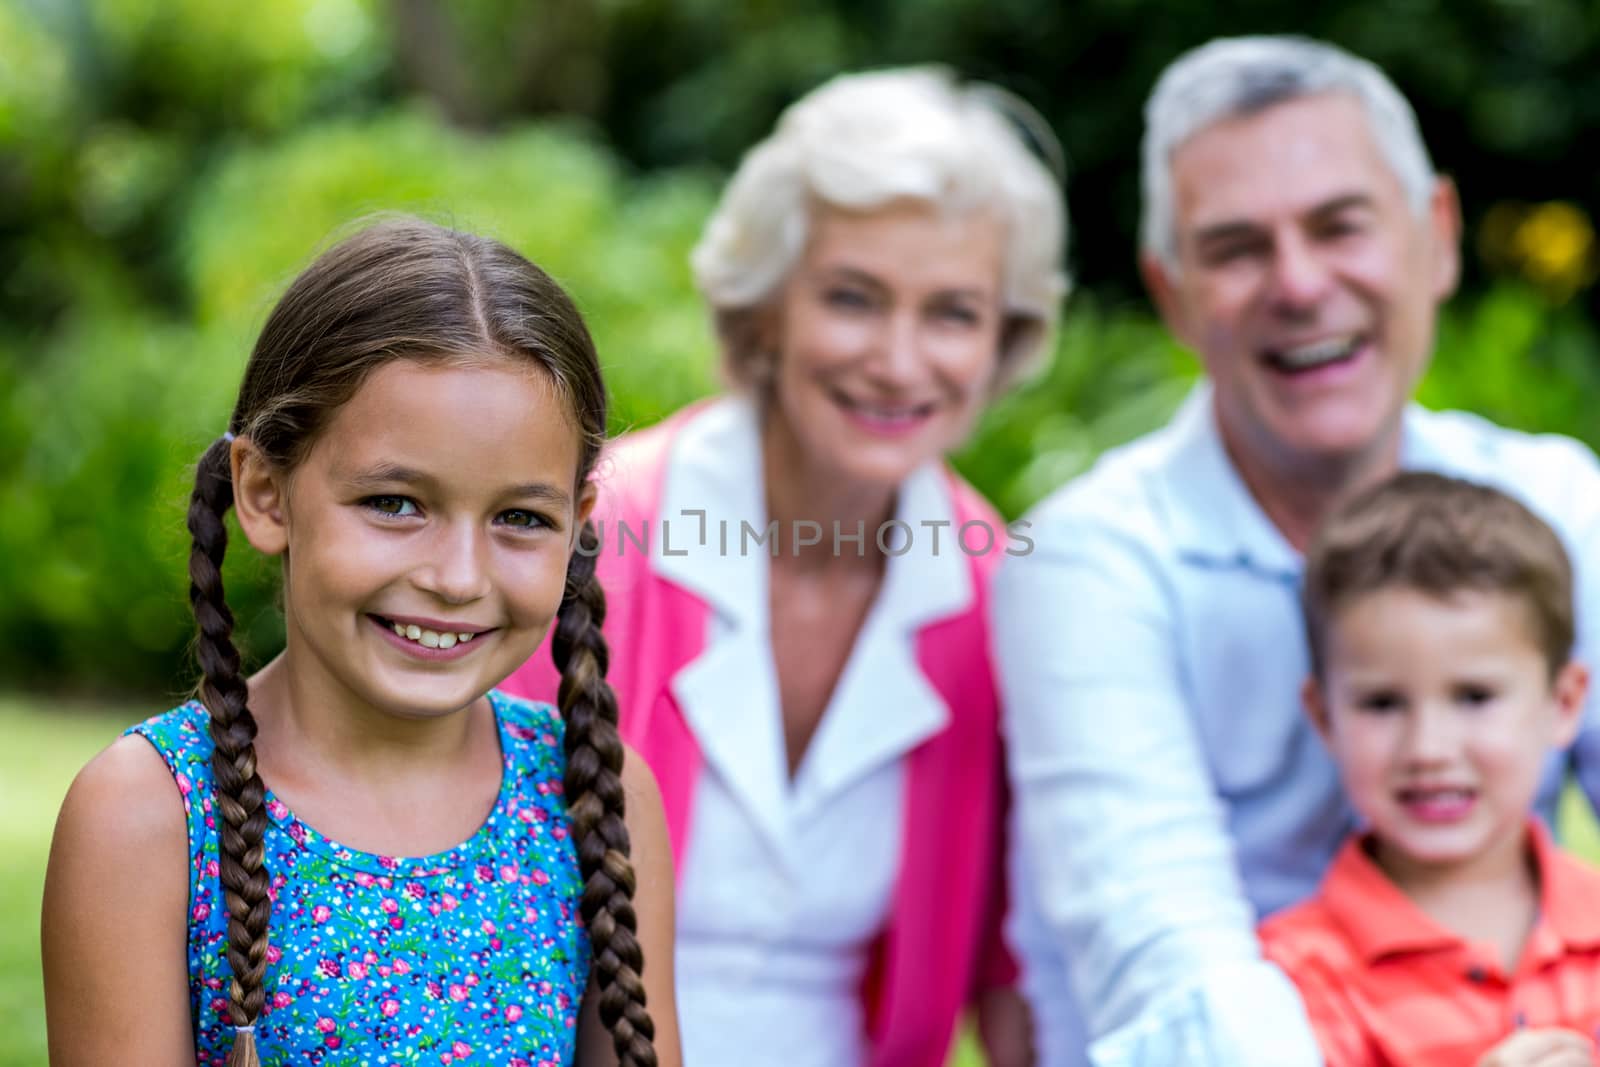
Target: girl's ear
pixel 259 499
pixel 586 501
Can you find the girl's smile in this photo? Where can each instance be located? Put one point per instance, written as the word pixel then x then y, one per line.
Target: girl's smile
pixel 428 639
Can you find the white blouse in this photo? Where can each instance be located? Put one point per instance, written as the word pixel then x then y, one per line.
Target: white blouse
pixel 787 883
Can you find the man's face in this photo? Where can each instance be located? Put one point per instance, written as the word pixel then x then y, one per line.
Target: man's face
pixel 1305 281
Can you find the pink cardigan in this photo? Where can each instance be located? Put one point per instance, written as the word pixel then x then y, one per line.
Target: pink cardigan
pixel 943 942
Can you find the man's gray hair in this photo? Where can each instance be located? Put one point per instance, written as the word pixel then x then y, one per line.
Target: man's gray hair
pixel 1235 76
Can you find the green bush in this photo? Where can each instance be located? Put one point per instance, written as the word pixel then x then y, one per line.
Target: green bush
pixel 1513 358
pixel 620 246
pixel 1114 375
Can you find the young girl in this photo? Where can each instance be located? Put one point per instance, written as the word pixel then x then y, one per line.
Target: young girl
pixel 438 873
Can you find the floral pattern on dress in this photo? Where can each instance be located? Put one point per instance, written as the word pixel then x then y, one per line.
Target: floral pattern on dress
pixel 473 956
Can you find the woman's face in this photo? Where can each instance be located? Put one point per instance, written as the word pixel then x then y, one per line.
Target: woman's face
pixel 887 334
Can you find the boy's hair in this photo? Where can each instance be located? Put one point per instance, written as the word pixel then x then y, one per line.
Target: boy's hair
pixel 405 289
pixel 1438 536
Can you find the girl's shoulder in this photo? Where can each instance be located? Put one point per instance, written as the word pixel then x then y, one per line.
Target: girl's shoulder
pixel 183 738
pixel 186 724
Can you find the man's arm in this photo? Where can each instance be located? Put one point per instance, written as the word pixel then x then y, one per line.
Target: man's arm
pixel 1135 872
pixel 1579 498
pixel 1341 1033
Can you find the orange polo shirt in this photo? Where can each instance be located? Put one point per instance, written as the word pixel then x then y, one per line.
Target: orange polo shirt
pixel 1385 985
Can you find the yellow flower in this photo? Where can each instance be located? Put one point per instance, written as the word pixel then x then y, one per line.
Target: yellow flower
pixel 1555 243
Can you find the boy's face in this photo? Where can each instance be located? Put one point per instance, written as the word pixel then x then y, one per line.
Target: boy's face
pixel 1440 713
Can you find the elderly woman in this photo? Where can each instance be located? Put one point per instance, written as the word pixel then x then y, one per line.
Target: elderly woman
pixel 796 581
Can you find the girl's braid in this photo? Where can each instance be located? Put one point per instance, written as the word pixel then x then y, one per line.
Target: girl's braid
pixel 240 796
pixel 595 803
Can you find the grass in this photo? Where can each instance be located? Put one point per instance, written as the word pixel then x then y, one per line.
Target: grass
pixel 44 749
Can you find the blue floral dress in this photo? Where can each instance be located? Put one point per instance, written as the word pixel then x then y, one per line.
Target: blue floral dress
pixel 472 956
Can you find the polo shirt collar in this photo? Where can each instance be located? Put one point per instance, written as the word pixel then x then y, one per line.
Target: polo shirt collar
pixel 1568 893
pixel 1381 921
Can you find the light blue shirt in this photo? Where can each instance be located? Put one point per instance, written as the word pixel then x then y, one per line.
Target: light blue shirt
pixel 1170 791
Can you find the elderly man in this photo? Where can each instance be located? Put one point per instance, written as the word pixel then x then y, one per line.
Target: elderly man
pixel 1169 790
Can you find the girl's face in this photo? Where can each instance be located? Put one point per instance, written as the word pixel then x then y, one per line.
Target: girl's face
pixel 426 534
pixel 887 334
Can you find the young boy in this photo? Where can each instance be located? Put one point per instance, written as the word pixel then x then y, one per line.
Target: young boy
pixel 1452 932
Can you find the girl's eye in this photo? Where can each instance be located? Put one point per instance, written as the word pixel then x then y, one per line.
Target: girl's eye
pixel 1475 695
pixel 522 519
pixel 391 505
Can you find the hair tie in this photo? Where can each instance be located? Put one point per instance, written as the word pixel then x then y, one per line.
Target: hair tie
pixel 240 1031
pixel 227 435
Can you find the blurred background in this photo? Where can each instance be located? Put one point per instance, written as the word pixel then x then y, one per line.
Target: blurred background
pixel 167 165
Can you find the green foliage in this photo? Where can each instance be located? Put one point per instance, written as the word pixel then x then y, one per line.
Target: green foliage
pixel 265 70
pixel 1114 375
pixel 35 82
pixel 103 418
pixel 110 109
pixel 620 246
pixel 1512 358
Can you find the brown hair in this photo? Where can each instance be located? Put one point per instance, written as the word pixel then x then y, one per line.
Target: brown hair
pixel 1439 536
pixel 406 289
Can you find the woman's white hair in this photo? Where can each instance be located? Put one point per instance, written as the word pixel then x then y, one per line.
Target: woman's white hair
pixel 1242 75
pixel 863 141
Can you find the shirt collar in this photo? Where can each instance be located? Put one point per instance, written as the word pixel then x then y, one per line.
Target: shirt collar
pixel 882 705
pixel 711 495
pixel 1568 892
pixel 1381 921
pixel 714 487
pixel 1213 517
pixel 933 579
